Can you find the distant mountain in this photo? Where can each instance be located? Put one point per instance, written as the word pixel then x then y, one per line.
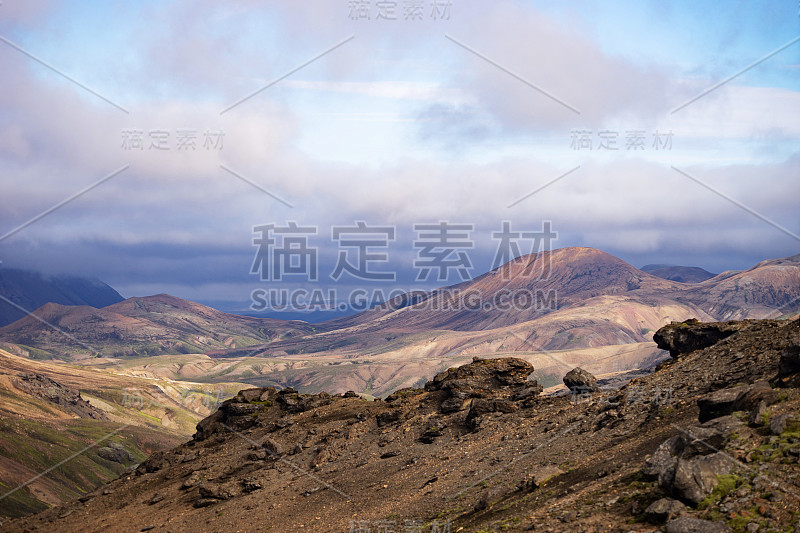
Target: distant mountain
pixel 144 326
pixel 31 290
pixel 682 274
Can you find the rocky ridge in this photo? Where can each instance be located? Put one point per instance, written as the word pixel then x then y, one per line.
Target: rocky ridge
pixel 708 442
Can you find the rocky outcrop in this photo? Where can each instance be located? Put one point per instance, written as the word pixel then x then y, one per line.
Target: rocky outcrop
pixel 687 465
pixel 243 410
pixel 492 384
pixel 682 338
pixel 738 398
pixel 579 380
pixel 52 391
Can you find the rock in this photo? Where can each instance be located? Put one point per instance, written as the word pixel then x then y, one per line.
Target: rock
pixel 350 394
pixel 192 481
pixel 484 406
pixel 483 375
pixel 115 452
pixel 790 358
pixel 687 524
pixel 155 499
pixel 256 395
pixel 695 478
pixel 273 448
pixel 215 492
pixel 721 430
pixel 757 414
pixel 452 405
pixel 430 434
pixel 778 423
pixel 579 380
pixel 539 476
pixel 205 502
pixel 250 485
pixel 661 464
pixel 387 417
pixel 760 391
pixel 685 337
pixel 531 391
pixel 664 509
pixel 719 403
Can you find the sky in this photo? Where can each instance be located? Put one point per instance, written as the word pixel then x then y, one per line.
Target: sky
pixel 143 143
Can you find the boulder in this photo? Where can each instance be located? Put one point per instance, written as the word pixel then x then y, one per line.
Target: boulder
pixel 695 478
pixel 482 375
pixel 779 423
pixel 757 414
pixel 664 509
pixel 579 380
pixel 719 403
pixel 115 452
pixel 685 337
pixel 760 391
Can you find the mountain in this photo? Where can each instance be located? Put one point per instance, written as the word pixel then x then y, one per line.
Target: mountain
pixel 591 309
pixel 769 289
pixel 142 326
pixel 707 442
pixel 682 274
pixel 66 430
pixel 30 290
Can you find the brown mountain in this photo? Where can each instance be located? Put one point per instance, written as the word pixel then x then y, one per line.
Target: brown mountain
pixel 143 326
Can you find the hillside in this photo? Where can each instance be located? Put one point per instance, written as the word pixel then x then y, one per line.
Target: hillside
pixel 66 430
pixel 142 326
pixel 708 442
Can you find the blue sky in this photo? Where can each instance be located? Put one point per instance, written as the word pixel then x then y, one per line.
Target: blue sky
pixel 410 121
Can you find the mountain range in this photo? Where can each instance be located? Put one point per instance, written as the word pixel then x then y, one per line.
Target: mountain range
pixel 585 307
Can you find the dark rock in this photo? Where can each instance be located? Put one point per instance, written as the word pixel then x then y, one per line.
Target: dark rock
pixel 215 491
pixel 661 465
pixel 579 380
pixel 760 391
pixel 272 447
pixel 155 499
pixel 69 399
pixel 719 403
pixel 757 414
pixel 483 375
pixel 387 417
pixel 695 478
pixel 205 502
pixel 389 455
pixel 192 481
pixel 685 337
pixel 431 434
pixel 483 406
pixel 251 485
pixel 687 524
pixel 664 509
pixel 531 391
pixel 115 452
pixel 790 358
pixel 452 405
pixel 350 394
pixel 778 424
